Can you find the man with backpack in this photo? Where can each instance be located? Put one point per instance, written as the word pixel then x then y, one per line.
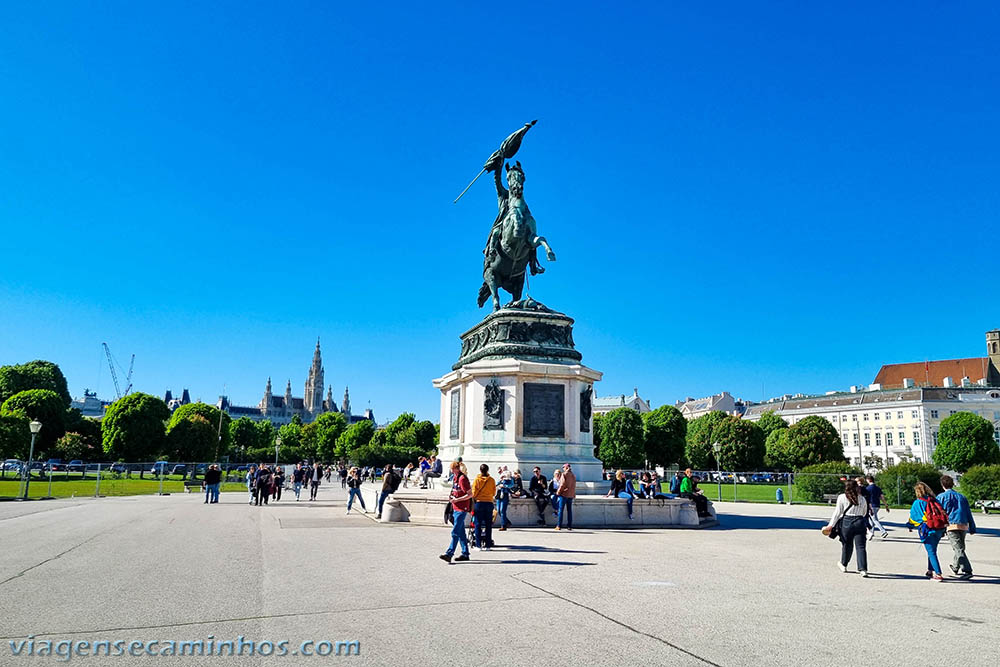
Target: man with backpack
pixel 390 482
pixel 960 522
pixel 675 483
pixel 931 520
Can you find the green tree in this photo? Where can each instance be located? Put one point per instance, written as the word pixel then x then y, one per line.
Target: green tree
pixel 36 374
pixel 897 481
pixel 815 481
pixel 776 454
pixel 741 444
pixel 665 429
pixel 133 428
pixel 769 422
pixel 813 440
pixel 43 405
pixel 356 436
pixel 873 462
pixel 211 414
pixel 622 439
pixel 193 438
pixel 243 435
pixel 90 431
pixel 700 436
pixel 265 435
pixel 328 426
pixel 965 440
pixel 15 437
pixel 72 446
pixel 595 431
pixel 291 437
pixel 981 483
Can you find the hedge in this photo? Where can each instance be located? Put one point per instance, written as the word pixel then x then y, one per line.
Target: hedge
pixel 908 474
pixel 981 483
pixel 815 481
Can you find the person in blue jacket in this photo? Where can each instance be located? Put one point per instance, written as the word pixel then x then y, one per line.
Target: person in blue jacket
pixel 923 520
pixel 960 522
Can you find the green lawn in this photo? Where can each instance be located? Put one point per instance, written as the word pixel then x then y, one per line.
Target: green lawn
pixel 62 488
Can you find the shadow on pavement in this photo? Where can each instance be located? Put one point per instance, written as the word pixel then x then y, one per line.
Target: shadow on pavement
pixel 533 548
pixel 474 561
pixel 740 522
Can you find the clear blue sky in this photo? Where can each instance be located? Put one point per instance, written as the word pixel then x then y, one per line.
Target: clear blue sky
pixel 741 195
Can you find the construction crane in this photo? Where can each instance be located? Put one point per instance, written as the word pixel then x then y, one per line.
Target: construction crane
pixel 114 375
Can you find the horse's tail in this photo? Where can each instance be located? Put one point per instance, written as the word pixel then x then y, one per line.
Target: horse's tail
pixel 484 294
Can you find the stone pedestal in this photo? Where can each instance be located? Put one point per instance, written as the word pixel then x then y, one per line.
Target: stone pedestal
pixel 519 396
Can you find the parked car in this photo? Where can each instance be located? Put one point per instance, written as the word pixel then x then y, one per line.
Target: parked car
pixel 179 469
pixel 76 465
pixel 54 465
pixel 160 468
pixel 119 467
pixel 12 464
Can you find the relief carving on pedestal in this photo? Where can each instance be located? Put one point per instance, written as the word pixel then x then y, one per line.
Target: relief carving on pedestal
pixel 493 407
pixel 586 408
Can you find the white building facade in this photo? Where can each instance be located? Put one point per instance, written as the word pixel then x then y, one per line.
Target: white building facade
pixel 604 404
pixel 893 424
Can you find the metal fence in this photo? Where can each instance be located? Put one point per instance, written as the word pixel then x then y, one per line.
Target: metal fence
pixel 782 487
pixel 62 480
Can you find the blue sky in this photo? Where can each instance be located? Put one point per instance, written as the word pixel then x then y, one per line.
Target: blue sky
pixel 760 198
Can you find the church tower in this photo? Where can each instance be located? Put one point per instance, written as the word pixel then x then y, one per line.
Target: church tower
pixel 313 397
pixel 993 350
pixel 265 403
pixel 345 407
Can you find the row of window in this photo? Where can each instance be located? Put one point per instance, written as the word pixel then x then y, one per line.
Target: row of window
pixel 864 416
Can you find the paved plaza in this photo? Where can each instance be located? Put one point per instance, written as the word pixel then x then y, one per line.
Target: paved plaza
pixel 762 588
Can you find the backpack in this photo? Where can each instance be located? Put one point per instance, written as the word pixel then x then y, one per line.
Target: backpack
pixel 935 517
pixel 675 485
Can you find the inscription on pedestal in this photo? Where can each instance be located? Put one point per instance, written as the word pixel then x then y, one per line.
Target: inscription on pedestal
pixel 544 410
pixel 456 410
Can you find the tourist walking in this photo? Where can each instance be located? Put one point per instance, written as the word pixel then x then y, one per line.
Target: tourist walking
pixel 342 471
pixel 277 483
pixel 620 489
pixel 298 476
pixel 875 499
pixel 317 475
pixel 390 482
pixel 461 504
pixel 434 470
pixel 213 477
pixel 263 485
pixel 504 489
pixel 930 520
pixel 484 488
pixel 851 513
pixel 354 482
pixel 252 482
pixel 567 494
pixel 960 523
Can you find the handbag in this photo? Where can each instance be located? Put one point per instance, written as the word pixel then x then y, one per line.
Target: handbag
pixel 837 529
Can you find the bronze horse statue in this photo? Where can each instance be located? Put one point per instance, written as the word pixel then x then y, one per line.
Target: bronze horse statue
pixel 513 241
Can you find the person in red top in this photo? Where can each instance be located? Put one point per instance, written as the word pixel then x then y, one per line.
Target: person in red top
pixel 461 504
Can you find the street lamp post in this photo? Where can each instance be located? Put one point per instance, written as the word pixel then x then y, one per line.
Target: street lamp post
pixel 717 448
pixel 277 444
pixel 35 427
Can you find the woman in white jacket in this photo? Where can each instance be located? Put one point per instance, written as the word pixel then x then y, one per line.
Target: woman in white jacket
pixel 852 512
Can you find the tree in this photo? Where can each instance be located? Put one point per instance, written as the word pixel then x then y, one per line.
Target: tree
pixel 815 481
pixel 813 440
pixel 193 438
pixel 44 406
pixel 15 437
pixel 665 429
pixel 965 440
pixel 622 439
pixel 700 436
pixel 265 435
pixel 90 431
pixel 595 431
pixel 243 435
pixel 134 427
pixel 873 462
pixel 328 427
pixel 741 444
pixel 981 483
pixel 72 446
pixel 769 422
pixel 897 481
pixel 36 374
pixel 776 450
pixel 211 415
pixel 291 437
pixel 356 436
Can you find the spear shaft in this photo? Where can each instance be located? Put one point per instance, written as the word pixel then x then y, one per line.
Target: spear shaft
pixel 469 185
